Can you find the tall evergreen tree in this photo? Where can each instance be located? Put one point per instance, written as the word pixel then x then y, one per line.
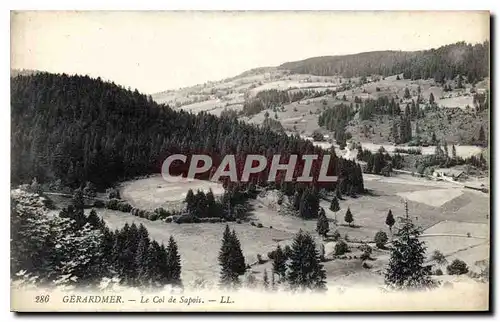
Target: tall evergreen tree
pixel 348 216
pixel 305 268
pixel 230 265
pixel 265 280
pixel 237 253
pixel 279 263
pixel 482 136
pixel 389 220
pixel 406 269
pixel 322 227
pixel 173 264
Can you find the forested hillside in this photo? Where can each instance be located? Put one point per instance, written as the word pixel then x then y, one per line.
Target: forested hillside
pixel 446 62
pixel 79 129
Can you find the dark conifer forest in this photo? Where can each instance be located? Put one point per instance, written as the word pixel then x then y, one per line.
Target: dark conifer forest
pixel 445 62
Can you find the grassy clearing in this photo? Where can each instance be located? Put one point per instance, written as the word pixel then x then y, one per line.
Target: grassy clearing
pixel 199 244
pixel 154 192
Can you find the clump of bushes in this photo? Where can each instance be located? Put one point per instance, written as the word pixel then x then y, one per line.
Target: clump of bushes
pixel 381 239
pixel 417 151
pixel 115 204
pixel 341 248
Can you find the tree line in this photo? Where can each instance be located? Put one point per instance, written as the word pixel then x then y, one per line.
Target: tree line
pixel 443 63
pixel 72 248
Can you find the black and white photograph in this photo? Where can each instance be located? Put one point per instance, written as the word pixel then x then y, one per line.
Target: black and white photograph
pixel 250 161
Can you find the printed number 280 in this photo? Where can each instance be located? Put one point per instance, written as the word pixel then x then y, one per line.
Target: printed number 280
pixel 42 298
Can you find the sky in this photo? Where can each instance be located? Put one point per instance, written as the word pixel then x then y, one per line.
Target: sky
pixel 154 51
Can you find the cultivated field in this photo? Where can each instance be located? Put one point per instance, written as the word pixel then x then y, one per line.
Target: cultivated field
pixel 155 191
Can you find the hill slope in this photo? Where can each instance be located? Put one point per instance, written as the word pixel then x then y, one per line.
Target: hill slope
pixel 78 129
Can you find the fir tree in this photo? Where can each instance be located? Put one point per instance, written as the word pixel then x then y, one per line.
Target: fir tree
pixel 230 260
pixel 453 152
pixel 389 220
pixel 265 280
pixel 173 264
pixel 305 268
pixel 141 261
pixel 279 263
pixel 482 136
pixel 407 94
pixel 406 268
pixel 237 253
pixel 322 225
pixel 334 205
pixel 431 99
pixel 348 217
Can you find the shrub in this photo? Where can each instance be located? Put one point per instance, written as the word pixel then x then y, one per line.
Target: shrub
pixel 438 257
pixel 112 204
pixel 252 223
pixel 125 207
pixel 380 239
pixel 457 267
pixel 238 221
pixel 270 227
pixel 270 254
pixel 259 259
pixel 438 272
pixel 288 251
pixel 366 265
pixel 341 248
pixel 260 225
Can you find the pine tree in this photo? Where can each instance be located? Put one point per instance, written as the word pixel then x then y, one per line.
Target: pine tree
pixel 434 140
pixel 141 260
pixel 173 264
pixel 389 220
pixel 406 268
pixel 334 205
pixel 229 260
pixel 453 152
pixel 279 263
pixel 94 220
pixel 431 99
pixel 305 268
pixel 322 227
pixel 190 200
pixel 348 217
pixel 407 93
pixel 237 253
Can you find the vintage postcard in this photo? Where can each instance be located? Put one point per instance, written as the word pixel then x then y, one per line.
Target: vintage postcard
pixel 187 161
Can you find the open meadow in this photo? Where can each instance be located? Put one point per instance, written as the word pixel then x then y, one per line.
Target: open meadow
pixel 446 213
